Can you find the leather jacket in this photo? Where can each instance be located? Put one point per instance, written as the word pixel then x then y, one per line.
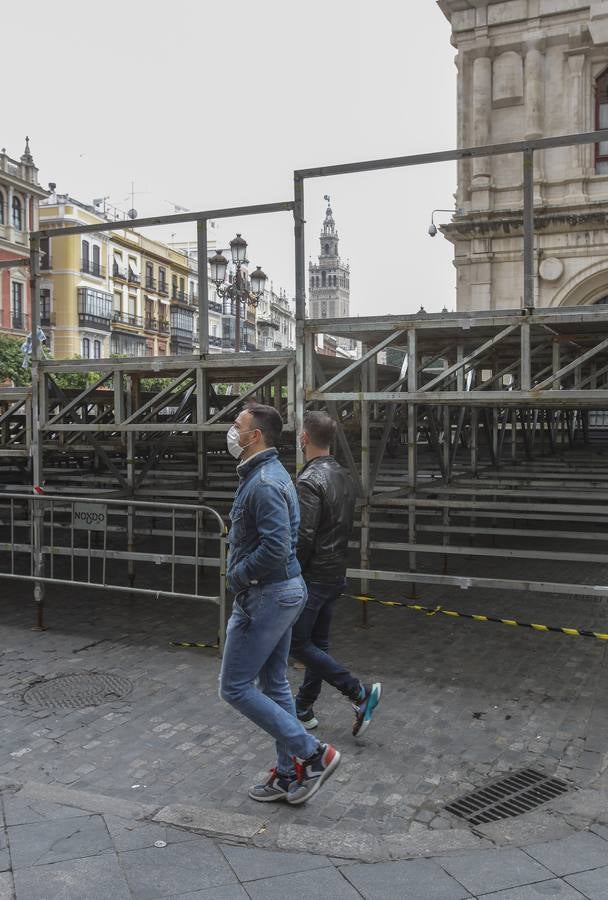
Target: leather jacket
pixel 327 497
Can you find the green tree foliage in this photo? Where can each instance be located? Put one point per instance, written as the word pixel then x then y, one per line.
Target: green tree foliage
pixel 11 362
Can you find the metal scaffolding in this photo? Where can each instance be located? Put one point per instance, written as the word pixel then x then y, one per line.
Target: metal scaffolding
pixel 485 427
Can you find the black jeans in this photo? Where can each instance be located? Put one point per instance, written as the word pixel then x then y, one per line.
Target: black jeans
pixel 310 645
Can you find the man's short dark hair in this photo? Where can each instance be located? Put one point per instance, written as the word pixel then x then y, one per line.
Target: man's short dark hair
pixel 320 428
pixel 268 420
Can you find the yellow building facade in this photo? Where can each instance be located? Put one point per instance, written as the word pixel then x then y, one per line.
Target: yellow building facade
pixel 115 293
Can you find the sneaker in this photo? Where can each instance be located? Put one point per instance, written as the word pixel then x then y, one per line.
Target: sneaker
pixel 312 772
pixel 275 788
pixel 364 710
pixel 307 718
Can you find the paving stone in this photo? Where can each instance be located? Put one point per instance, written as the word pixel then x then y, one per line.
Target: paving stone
pixel 6 886
pixel 407 880
pixel 556 889
pixel 575 853
pixel 536 826
pixel 96 878
pixel 98 803
pixel 211 821
pixel 494 870
pixel 592 884
pixel 177 868
pixel 431 843
pixel 602 830
pixel 348 845
pixel 252 863
pixel 21 810
pixel 227 892
pixel 129 835
pixel 40 843
pixel 317 885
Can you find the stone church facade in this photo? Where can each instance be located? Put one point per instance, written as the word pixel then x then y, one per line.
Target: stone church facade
pixel 529 69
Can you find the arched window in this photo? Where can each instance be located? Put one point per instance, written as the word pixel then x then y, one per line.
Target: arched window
pixel 323 279
pixel 327 249
pixel 17 214
pixel 97 349
pixel 601 121
pixel 86 348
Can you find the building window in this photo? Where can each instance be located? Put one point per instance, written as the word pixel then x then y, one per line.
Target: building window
pixel 45 306
pixel 601 121
pixel 2 202
pixel 323 277
pixel 85 256
pixel 17 214
pixel 86 348
pixel 97 349
pixel 17 304
pixel 96 264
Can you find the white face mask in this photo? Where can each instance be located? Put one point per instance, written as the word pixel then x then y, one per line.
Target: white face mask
pixel 232 441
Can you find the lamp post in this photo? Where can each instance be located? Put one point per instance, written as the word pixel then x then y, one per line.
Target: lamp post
pixel 244 288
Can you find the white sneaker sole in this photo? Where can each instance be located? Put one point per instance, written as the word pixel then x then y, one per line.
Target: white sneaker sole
pixel 319 781
pixel 367 722
pixel 310 724
pixel 272 799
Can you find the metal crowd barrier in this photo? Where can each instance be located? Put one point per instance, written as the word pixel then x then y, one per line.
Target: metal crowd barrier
pixel 102 543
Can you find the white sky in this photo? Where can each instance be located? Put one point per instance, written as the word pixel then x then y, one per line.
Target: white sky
pixel 210 105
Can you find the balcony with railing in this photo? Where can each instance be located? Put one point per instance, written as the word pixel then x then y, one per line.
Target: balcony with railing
pixel 123 318
pixel 214 306
pixel 133 277
pixel 181 296
pixel 93 320
pixel 46 262
pixel 150 283
pixel 92 267
pixel 47 318
pixel 119 272
pixel 163 288
pixel 18 321
pixel 215 341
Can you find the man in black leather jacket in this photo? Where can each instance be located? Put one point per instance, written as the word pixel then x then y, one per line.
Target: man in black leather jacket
pixel 327 504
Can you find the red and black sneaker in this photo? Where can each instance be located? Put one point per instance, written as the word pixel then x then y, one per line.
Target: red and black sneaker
pixel 312 772
pixel 274 789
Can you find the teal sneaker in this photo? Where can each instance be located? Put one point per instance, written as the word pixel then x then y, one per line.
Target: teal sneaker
pixel 364 710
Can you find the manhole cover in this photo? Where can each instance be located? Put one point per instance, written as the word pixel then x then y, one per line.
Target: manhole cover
pixel 78 690
pixel 513 795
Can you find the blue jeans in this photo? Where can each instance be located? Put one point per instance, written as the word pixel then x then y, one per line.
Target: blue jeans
pixel 257 647
pixel 310 645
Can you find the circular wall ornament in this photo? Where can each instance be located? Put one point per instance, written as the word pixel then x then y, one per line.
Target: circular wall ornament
pixel 551 269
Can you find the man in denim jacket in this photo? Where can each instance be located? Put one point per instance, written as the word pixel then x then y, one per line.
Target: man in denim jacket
pixel 264 575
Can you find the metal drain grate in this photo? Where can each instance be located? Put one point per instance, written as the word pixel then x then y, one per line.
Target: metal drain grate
pixel 78 690
pixel 513 795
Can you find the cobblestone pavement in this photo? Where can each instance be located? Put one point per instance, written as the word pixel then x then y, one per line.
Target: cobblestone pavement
pixel 463 702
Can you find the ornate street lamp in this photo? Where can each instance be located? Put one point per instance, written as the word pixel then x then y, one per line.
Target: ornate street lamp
pixel 244 289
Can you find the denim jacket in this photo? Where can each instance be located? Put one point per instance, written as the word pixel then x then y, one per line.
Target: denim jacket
pixel 264 522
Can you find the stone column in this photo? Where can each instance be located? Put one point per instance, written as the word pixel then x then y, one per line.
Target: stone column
pixel 534 75
pixel 535 92
pixel 576 109
pixel 482 112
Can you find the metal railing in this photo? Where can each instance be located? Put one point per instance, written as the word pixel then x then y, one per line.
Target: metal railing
pixel 88 542
pixel 123 318
pixel 92 267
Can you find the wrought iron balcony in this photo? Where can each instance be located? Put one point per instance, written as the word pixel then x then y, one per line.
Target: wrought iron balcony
pixel 163 326
pixel 133 277
pixel 119 272
pixel 215 341
pixel 122 318
pixel 92 267
pixel 215 306
pixel 47 318
pixel 90 320
pixel 150 283
pixel 17 321
pixel 182 296
pixel 151 324
pixel 163 288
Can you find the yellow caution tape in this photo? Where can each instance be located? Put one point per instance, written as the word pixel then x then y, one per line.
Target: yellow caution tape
pixel 433 611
